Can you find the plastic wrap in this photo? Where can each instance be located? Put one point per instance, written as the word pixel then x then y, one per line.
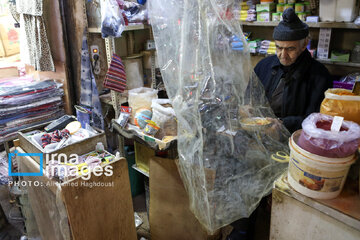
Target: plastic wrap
pixel 317 138
pixel 226 169
pixel 113 23
pixel 341 102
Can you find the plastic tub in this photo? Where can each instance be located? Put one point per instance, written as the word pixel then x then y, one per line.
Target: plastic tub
pixel 316 176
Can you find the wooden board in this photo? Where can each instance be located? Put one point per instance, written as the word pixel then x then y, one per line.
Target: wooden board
pixel 90 213
pixel 104 213
pixel 170 216
pixel 81 147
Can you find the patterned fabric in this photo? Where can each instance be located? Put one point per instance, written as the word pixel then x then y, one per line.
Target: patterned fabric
pixel 89 93
pixel 31 7
pixel 115 78
pixel 34 45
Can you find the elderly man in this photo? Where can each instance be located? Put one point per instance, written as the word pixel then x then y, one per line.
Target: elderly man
pixel 294 82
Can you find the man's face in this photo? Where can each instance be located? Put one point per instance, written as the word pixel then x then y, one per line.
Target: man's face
pixel 289 51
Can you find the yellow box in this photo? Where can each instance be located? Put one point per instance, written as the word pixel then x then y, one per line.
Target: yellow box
pixel 142 156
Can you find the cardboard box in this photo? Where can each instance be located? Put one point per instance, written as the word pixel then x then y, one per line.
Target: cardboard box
pixel 263 16
pixel 268 7
pixel 340 56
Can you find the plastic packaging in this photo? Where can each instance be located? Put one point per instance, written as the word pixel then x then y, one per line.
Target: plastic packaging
pixel 124 117
pixel 140 98
pixel 112 22
pixel 341 102
pixel 317 138
pixel 164 117
pixel 355 54
pixel 226 170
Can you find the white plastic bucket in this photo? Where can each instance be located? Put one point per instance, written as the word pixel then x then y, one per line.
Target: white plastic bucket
pixel 316 176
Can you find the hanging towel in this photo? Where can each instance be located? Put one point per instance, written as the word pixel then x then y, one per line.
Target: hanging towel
pixel 89 93
pixel 115 78
pixel 34 45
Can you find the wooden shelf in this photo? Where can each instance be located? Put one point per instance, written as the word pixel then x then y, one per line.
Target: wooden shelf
pixel 310 24
pixel 323 61
pixel 347 64
pixel 127 28
pixel 140 170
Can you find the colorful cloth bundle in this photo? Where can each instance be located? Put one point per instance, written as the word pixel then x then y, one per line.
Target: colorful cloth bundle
pixel 54 137
pixel 115 78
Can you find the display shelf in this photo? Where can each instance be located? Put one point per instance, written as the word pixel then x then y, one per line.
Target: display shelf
pixel 347 64
pixel 310 24
pixel 135 133
pixel 127 28
pixel 139 170
pixel 323 61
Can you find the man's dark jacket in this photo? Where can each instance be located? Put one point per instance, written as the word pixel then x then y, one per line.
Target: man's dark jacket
pixel 305 84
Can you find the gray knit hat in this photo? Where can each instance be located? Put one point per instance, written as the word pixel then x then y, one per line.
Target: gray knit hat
pixel 291 28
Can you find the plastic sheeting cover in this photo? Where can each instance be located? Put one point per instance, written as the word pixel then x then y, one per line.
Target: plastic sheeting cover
pixel 226 129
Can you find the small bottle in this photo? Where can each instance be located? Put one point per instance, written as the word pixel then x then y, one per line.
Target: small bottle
pixel 355 54
pixel 100 147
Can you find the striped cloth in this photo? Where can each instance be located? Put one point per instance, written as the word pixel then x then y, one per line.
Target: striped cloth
pixel 115 78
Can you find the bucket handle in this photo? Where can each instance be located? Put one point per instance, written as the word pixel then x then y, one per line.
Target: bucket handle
pixel 280 156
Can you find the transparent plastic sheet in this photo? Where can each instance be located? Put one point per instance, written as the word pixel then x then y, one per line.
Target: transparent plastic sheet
pixel 226 129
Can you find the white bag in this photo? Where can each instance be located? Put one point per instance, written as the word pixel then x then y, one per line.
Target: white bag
pixel 140 98
pixel 164 117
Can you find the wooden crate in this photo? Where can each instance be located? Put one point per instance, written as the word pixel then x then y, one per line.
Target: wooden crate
pixel 72 210
pixel 79 148
pixel 170 216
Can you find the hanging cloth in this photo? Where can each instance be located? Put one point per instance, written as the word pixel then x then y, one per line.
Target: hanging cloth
pixel 34 45
pixel 89 94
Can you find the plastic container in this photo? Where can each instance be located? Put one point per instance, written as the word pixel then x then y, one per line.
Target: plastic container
pixel 318 138
pixel 299 7
pixel 276 17
pixel 355 53
pixel 307 6
pixel 316 176
pixel 280 8
pixel 288 6
pixel 327 10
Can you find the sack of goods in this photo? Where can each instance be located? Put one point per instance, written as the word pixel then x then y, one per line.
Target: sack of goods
pixel 341 102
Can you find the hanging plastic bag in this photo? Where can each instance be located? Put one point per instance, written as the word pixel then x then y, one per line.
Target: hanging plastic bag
pixel 341 102
pixel 317 138
pixel 140 99
pixel 112 20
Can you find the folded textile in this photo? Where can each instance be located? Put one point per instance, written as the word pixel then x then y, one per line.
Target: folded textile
pixel 115 78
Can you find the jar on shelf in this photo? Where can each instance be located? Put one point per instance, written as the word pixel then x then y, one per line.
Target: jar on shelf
pixel 280 7
pixel 307 6
pixel 355 54
pixel 291 1
pixel 299 7
pixel 288 6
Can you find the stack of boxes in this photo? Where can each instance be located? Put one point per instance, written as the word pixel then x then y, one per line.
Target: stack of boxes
pixel 247 11
pixel 264 11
